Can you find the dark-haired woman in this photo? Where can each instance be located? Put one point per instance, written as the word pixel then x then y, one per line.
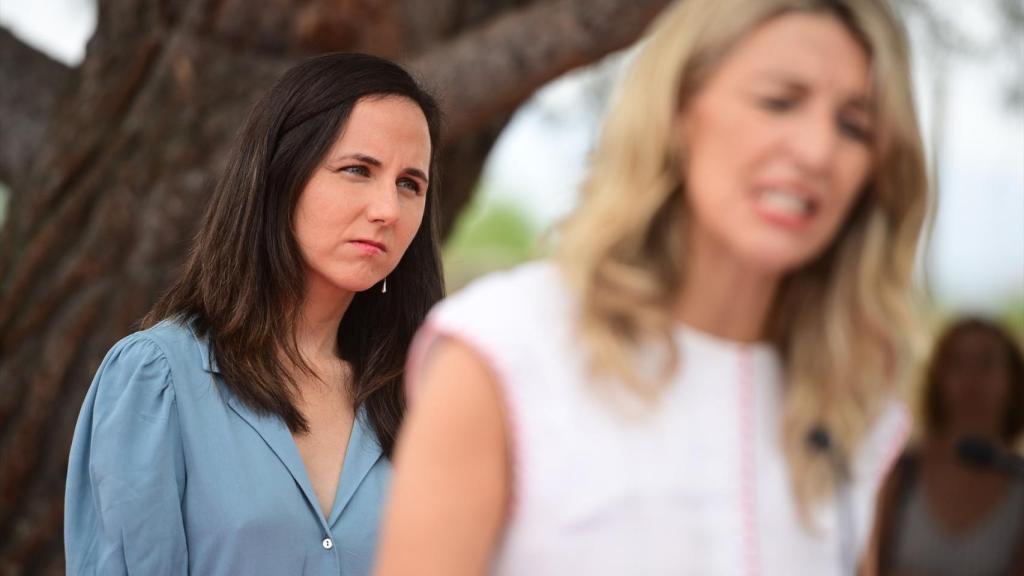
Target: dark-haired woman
pixel 939 515
pixel 248 428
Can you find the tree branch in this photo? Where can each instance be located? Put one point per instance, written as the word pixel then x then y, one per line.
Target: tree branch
pixel 490 71
pixel 32 84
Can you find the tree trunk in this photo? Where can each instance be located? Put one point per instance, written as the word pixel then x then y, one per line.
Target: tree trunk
pixel 122 164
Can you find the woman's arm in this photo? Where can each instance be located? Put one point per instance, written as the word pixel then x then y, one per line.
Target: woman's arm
pixel 126 471
pixel 450 493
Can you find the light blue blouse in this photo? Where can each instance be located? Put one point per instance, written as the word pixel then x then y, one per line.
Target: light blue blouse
pixel 170 473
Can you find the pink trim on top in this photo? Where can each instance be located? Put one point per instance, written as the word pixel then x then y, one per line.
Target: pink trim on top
pixel 748 467
pixel 428 334
pixel 425 336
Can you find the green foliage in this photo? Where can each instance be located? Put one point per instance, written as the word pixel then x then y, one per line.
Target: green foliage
pixel 1008 312
pixel 1013 315
pixel 489 235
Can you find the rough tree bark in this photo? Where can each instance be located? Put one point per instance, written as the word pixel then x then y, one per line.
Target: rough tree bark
pixel 110 164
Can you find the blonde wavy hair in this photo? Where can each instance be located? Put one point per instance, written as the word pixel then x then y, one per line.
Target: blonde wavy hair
pixel 841 323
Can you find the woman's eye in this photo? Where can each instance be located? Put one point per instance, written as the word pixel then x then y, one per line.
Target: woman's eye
pixel 357 169
pixel 855 131
pixel 410 184
pixel 777 103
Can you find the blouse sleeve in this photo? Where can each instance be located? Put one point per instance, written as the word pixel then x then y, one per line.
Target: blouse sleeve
pixel 126 472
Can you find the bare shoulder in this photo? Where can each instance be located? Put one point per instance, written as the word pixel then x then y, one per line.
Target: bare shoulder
pixel 457 414
pixel 451 469
pixel 459 372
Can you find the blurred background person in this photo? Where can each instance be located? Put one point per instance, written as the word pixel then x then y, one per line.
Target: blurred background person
pixel 941 514
pixel 735 283
pixel 249 428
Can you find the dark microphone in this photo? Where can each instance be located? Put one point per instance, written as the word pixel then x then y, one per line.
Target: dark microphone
pixel 819 439
pixel 985 455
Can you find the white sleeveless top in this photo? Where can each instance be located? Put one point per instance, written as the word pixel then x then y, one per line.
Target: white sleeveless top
pixel 697 484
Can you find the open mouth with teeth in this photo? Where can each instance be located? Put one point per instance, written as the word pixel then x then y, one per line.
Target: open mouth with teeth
pixel 785 206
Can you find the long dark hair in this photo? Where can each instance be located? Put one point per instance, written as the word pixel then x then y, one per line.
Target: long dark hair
pixel 935 410
pixel 243 282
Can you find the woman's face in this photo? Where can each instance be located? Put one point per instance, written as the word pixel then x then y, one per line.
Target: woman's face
pixel 975 380
pixel 778 143
pixel 364 203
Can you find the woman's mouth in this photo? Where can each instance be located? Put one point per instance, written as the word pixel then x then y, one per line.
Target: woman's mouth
pixel 785 207
pixel 369 246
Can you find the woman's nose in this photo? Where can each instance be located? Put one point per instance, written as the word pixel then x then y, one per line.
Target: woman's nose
pixel 383 206
pixel 815 142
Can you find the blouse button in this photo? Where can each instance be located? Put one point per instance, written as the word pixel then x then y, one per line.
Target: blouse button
pixel 328 544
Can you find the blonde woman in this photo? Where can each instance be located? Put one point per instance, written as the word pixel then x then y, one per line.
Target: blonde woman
pixel 734 284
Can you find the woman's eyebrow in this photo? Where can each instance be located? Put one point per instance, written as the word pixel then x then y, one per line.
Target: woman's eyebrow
pixel 365 158
pixel 417 173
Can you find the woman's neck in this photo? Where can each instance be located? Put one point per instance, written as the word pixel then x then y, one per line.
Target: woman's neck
pixel 943 463
pixel 320 314
pixel 724 297
pixel 946 441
